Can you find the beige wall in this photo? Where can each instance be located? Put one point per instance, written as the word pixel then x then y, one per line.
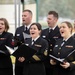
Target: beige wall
pixel 32 7
pixel 8 12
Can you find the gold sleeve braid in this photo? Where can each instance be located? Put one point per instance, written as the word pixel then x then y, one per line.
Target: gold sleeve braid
pixel 36 57
pixel 73 62
pixel 46 52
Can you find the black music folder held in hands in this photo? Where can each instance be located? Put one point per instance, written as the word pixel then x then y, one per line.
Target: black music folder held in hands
pixel 56 59
pixel 70 57
pixel 24 51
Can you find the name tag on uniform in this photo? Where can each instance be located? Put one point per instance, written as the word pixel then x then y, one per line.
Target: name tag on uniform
pixel 55 37
pixel 27 44
pixel 18 34
pixel 37 45
pixel 56 45
pixel 2 38
pixel 44 36
pixel 69 46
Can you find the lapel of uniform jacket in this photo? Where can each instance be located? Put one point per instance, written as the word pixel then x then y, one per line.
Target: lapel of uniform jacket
pixel 55 31
pixel 67 43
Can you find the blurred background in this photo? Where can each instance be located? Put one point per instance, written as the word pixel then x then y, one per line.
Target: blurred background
pixel 12 11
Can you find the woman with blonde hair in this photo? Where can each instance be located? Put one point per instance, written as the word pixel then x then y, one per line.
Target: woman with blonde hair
pixel 6 38
pixel 62 48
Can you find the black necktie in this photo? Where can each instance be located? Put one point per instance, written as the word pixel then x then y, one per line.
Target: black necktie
pixel 26 28
pixel 63 43
pixel 50 32
pixel 32 42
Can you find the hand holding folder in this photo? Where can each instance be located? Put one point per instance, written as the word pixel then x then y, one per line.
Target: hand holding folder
pixel 57 59
pixel 24 51
pixel 70 57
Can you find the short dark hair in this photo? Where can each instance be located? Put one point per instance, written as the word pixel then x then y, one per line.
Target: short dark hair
pixel 38 25
pixel 27 10
pixel 53 13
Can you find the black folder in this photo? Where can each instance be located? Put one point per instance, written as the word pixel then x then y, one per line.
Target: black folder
pixel 56 59
pixel 70 57
pixel 24 51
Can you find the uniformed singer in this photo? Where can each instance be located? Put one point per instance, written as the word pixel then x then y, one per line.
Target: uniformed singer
pixel 61 50
pixel 20 36
pixel 35 65
pixel 51 34
pixel 6 38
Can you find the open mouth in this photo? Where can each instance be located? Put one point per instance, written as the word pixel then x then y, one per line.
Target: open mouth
pixel 23 20
pixel 32 33
pixel 48 23
pixel 62 32
pixel 0 28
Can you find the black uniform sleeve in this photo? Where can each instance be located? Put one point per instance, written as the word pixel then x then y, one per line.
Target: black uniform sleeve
pixel 72 65
pixel 18 38
pixel 41 54
pixel 10 41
